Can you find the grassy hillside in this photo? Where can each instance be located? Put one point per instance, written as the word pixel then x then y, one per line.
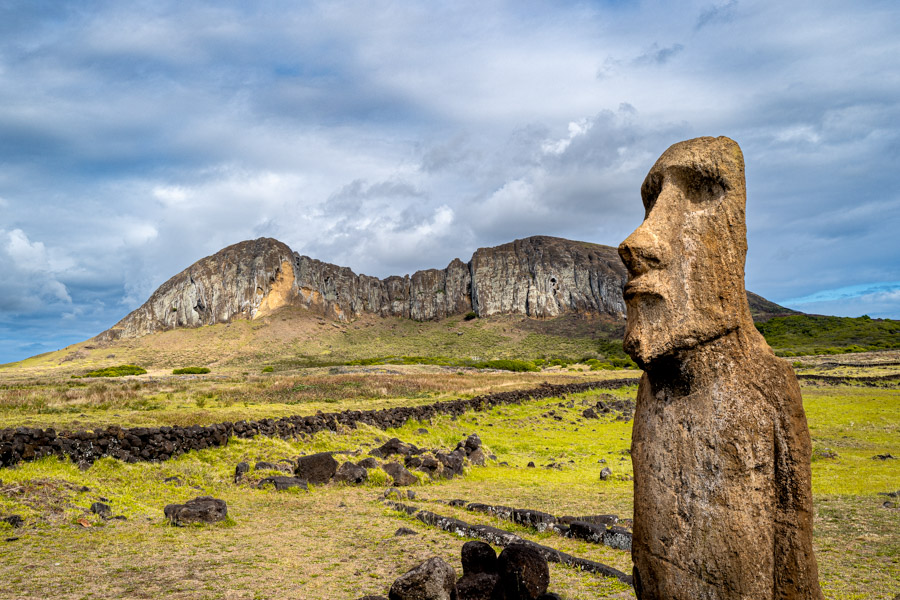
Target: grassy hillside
pixel 295 338
pixel 798 335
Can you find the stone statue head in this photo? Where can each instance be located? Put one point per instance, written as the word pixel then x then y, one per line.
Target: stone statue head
pixel 686 261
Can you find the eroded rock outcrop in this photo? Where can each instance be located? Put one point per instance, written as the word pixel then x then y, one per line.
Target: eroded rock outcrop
pixel 720 446
pixel 537 276
pixel 244 281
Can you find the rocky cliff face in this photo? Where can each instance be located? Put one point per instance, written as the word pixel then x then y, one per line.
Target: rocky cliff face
pixel 243 281
pixel 538 276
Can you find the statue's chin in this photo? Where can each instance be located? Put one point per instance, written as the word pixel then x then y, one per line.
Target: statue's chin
pixel 644 350
pixel 647 345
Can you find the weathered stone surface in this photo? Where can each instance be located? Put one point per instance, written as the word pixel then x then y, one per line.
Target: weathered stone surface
pixel 399 474
pixel 316 468
pixel 452 463
pixel 394 446
pixel 477 457
pixel 283 483
pixel 240 470
pixel 368 463
pixel 721 449
pixel 618 537
pixel 244 281
pixel 478 557
pixel 477 586
pixel 351 473
pixel 544 277
pixel 590 532
pixel 203 509
pixel 102 510
pixel 524 573
pixel 434 579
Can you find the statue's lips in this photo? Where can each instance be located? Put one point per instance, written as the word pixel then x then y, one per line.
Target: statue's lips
pixel 636 288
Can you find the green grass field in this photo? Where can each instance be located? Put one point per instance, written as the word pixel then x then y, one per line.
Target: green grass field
pixel 337 541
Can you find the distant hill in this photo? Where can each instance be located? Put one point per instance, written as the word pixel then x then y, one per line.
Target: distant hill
pixel 537 277
pixel 763 310
pixel 800 334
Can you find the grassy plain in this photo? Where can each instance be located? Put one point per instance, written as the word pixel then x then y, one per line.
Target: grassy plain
pixel 338 541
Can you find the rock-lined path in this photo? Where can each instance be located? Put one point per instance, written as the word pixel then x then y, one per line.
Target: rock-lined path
pixel 499 537
pixel 597 529
pixel 161 443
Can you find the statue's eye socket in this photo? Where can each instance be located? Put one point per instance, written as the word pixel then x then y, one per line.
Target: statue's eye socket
pixel 699 188
pixel 650 191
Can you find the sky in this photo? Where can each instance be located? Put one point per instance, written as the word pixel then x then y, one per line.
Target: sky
pixel 138 137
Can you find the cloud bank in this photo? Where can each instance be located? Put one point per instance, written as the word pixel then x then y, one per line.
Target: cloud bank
pixel 136 138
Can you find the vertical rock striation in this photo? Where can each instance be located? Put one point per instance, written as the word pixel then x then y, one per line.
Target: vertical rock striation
pixel 538 277
pixel 243 281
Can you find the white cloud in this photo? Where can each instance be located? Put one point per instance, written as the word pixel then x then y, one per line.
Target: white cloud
pixel 576 128
pixel 29 277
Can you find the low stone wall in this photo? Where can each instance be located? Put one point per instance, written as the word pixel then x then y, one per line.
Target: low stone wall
pixel 867 381
pixel 161 443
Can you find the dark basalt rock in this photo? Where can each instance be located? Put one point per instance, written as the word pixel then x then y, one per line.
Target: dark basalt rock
pixel 478 557
pixel 102 510
pixel 477 457
pixel 478 586
pixel 351 473
pixel 434 579
pixel 14 520
pixel 240 470
pixel 316 468
pixel 590 532
pixel 203 509
pixel 452 463
pixel 618 537
pixel 596 519
pixel 368 463
pixel 394 446
pixel 399 474
pixel 405 531
pixel 283 483
pixel 524 573
pixel 470 444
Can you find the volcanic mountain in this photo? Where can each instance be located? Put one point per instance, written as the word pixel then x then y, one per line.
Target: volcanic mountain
pixel 537 277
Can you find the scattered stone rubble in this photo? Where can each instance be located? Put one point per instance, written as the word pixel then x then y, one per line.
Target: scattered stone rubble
pixel 203 509
pixel 322 468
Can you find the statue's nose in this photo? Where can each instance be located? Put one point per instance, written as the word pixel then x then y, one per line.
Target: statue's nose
pixel 642 251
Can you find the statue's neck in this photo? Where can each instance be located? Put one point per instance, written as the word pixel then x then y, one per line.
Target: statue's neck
pixel 691 370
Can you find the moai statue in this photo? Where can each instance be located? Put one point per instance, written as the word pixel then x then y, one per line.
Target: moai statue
pixel 721 449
